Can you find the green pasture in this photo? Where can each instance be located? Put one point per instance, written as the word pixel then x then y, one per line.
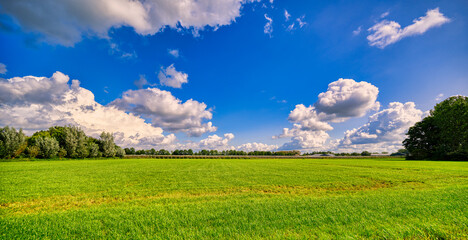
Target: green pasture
pixel 234 199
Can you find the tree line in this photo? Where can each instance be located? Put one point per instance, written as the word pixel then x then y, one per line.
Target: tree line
pixel 205 152
pixel 57 141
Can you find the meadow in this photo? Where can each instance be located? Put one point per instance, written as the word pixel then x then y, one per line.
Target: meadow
pixel 234 198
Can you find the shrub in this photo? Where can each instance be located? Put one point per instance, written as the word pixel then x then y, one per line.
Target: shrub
pixel 62 153
pixel 32 151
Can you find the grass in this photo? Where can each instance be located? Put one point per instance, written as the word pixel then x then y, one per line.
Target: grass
pixel 234 198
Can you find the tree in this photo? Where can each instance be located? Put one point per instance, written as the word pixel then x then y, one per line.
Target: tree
pixel 48 147
pixel 75 142
pixel 443 135
pixel 119 152
pixel 93 149
pixel 12 143
pixel 163 152
pixel 365 153
pixel 107 144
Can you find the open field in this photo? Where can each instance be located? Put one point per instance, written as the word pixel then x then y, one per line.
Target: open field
pixel 234 198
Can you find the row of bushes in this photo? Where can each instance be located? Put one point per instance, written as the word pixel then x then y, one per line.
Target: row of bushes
pixel 57 141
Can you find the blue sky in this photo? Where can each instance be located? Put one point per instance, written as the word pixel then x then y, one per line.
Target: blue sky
pixel 249 79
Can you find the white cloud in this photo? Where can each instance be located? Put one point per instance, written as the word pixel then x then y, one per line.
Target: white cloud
pixel 254 146
pixel 116 50
pixel 67 21
pixel 357 31
pixel 347 98
pixel 268 28
pixel 173 52
pixel 286 15
pixel 141 82
pixel 384 14
pixel 439 97
pixel 301 22
pixel 387 32
pixel 303 139
pixel 3 68
pixel 216 142
pixel 37 103
pixel 344 99
pixel 167 111
pixel 171 77
pixel 385 129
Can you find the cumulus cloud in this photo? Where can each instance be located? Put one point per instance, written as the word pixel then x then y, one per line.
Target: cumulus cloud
pixel 344 99
pixel 439 97
pixel 171 77
pixel 268 28
pixel 254 146
pixel 3 68
pixel 36 103
pixel 167 111
pixel 67 21
pixel 216 142
pixel 347 98
pixel 173 52
pixel 387 32
pixel 385 129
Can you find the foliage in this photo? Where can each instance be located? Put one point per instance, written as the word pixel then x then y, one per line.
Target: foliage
pixel 62 153
pixel 443 135
pixel 48 147
pixel 11 142
pixel 33 151
pixel 107 144
pixel 93 149
pixel 75 142
pixel 119 152
pixel 67 141
pixel 365 153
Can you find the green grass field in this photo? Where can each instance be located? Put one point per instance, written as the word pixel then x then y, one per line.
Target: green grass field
pixel 234 198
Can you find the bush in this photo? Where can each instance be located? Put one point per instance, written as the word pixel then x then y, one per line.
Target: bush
pixel 62 153
pixel 32 151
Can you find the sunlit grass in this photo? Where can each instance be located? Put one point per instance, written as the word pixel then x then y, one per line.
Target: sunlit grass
pixel 234 198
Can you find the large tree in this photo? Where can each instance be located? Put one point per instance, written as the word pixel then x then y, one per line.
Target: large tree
pixel 12 143
pixel 442 135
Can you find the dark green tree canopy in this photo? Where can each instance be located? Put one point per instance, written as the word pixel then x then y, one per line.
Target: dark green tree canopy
pixel 443 135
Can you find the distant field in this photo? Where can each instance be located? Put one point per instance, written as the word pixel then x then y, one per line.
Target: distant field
pixel 234 198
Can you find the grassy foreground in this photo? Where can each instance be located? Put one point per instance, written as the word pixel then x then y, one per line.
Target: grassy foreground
pixel 234 198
